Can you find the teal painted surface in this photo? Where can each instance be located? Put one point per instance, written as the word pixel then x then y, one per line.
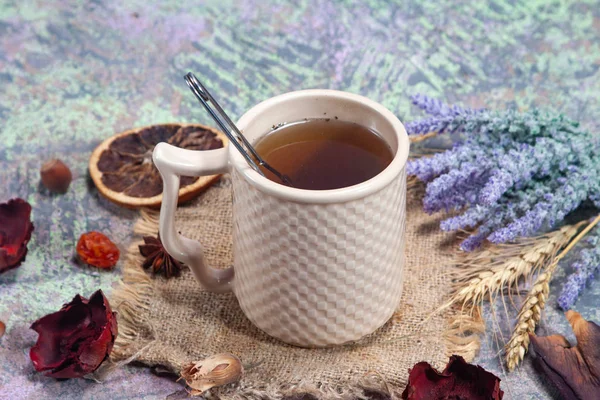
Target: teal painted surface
pixel 73 73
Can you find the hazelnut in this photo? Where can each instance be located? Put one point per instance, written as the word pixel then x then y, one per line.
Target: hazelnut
pixel 2 328
pixel 56 176
pixel 214 371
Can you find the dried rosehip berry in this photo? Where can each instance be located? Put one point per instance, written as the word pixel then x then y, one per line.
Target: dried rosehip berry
pixel 96 249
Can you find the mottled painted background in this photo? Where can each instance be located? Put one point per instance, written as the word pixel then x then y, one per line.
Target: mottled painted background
pixel 73 73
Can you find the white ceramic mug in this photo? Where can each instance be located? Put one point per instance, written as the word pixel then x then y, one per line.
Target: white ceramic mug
pixel 312 267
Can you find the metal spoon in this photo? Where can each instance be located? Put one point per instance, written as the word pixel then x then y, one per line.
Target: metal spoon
pixel 229 128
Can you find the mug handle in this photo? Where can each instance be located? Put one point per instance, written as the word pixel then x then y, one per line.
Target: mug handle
pixel 172 162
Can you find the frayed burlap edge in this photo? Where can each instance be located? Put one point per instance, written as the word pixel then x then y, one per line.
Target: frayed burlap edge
pixel 134 293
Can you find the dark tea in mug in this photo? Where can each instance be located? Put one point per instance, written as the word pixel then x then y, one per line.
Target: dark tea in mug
pixel 322 154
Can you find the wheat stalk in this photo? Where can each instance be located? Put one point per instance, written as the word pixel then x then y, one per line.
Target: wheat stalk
pixel 412 182
pixel 420 138
pixel 531 310
pixel 490 271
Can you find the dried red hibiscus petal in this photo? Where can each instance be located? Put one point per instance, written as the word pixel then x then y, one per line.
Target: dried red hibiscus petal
pixel 74 341
pixel 15 232
pixel 574 370
pixel 458 381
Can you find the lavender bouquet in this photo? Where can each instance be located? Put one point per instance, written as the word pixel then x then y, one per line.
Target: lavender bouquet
pixel 514 174
pixel 512 177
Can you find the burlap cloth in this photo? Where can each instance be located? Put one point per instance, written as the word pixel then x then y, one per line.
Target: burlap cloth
pixel 175 321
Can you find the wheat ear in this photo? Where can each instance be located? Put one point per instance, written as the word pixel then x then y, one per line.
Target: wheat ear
pixel 531 310
pixel 488 272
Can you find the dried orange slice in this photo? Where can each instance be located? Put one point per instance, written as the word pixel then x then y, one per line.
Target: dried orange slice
pixel 122 168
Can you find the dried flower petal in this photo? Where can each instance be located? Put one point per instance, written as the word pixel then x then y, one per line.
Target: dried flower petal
pixel 15 232
pixel 74 341
pixel 575 370
pixel 459 380
pixel 214 371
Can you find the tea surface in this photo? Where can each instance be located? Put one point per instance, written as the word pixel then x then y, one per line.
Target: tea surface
pixel 321 154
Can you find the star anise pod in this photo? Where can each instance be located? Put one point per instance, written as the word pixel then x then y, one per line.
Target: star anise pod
pixel 157 258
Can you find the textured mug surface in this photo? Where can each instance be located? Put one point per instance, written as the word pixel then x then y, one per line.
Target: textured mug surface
pixel 318 274
pixel 311 268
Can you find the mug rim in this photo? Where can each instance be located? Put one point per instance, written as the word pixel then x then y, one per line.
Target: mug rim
pixel 348 193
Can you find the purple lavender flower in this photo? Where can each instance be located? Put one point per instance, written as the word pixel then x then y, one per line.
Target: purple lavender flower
pixel 427 168
pixel 489 219
pixel 571 290
pixel 519 166
pixel 435 107
pixel 554 207
pixel 442 115
pixel 431 124
pixel 446 191
pixel 500 181
pixel 585 268
pixel 474 241
pixel 513 174
pixel 430 105
pixel 469 219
